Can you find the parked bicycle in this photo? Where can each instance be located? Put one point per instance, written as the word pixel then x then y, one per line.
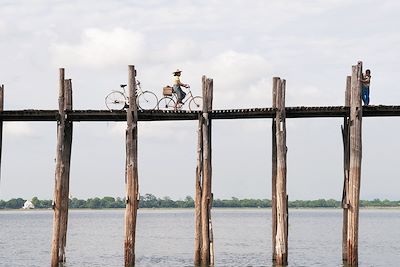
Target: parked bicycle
pixel 170 100
pixel 118 99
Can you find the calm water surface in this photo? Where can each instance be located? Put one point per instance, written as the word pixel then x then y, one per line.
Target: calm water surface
pixel 165 237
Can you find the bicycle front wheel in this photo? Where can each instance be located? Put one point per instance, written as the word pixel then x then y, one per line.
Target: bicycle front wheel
pixel 196 103
pixel 115 101
pixel 166 103
pixel 147 101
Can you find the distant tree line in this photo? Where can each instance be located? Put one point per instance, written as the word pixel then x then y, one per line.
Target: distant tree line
pixel 151 201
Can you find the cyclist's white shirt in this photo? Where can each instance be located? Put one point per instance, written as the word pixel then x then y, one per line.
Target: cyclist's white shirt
pixel 177 80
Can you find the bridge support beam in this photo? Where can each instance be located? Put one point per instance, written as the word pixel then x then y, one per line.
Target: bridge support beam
pixel 1 122
pixel 131 171
pixel 63 163
pixel 198 193
pixel 346 165
pixel 273 167
pixel 280 254
pixel 355 147
pixel 204 243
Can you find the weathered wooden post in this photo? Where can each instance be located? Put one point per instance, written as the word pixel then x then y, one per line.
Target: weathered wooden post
pixel 355 165
pixel 1 122
pixel 208 168
pixel 58 184
pixel 281 244
pixel 206 195
pixel 66 164
pixel 273 197
pixel 197 199
pixel 346 163
pixel 132 183
pixel 63 159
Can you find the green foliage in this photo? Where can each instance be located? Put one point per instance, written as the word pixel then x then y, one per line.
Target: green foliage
pixel 14 203
pixel 151 201
pixel 241 203
pixel 319 203
pixel 41 204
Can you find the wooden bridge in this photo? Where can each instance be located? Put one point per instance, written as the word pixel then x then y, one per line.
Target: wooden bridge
pixel 171 115
pixel 352 113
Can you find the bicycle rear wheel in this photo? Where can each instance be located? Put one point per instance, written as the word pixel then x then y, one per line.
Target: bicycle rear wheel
pixel 116 101
pixel 147 101
pixel 196 103
pixel 166 103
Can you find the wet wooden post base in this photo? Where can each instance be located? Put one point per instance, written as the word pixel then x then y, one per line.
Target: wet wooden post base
pixel 131 172
pixel 346 164
pixel 281 242
pixel 63 158
pixel 355 165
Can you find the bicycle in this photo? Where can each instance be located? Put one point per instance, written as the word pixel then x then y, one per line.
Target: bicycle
pixel 170 99
pixel 118 100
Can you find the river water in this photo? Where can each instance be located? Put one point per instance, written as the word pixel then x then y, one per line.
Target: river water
pixel 242 237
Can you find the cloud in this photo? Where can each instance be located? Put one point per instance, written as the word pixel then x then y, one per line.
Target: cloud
pixel 155 131
pixel 240 79
pixel 99 48
pixel 18 129
pixel 2 27
pixel 176 50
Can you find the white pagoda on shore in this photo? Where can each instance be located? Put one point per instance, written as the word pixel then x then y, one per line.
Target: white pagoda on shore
pixel 28 205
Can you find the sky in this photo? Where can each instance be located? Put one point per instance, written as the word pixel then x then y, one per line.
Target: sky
pixel 241 45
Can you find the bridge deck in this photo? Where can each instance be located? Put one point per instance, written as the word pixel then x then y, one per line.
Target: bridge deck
pixel 159 115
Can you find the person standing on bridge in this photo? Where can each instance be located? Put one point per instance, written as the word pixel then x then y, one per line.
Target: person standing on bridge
pixel 365 80
pixel 177 86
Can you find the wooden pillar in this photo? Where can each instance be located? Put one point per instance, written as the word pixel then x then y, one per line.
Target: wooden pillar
pixel 206 195
pixel 273 197
pixel 63 159
pixel 355 165
pixel 197 199
pixel 281 196
pixel 131 172
pixel 346 163
pixel 66 164
pixel 1 122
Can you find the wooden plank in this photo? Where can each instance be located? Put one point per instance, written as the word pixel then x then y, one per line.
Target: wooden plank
pixel 57 199
pixel 355 165
pixel 158 115
pixel 132 183
pixel 198 190
pixel 29 115
pixel 281 196
pixel 274 168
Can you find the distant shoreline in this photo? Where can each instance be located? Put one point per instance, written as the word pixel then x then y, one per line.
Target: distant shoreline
pixel 151 201
pixel 214 208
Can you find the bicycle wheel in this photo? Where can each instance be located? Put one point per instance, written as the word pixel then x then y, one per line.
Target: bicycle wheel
pixel 147 101
pixel 115 101
pixel 196 103
pixel 166 103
